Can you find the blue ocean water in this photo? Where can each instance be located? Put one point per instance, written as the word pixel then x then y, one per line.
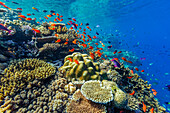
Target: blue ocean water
pixel 137 26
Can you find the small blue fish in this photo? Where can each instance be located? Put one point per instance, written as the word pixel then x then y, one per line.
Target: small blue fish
pixel 117 64
pixel 2 27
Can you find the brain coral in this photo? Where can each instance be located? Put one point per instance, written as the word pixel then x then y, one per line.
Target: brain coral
pixel 94 91
pixel 18 74
pixel 79 104
pixel 85 69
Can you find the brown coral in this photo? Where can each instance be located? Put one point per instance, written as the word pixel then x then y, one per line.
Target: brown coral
pixel 79 104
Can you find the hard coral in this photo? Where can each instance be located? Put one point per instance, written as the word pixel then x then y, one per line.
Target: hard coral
pixel 94 91
pixel 85 69
pixel 79 104
pixel 18 74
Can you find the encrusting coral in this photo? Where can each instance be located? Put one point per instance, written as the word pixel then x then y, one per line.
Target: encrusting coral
pixel 18 74
pixel 94 91
pixel 81 67
pixel 79 104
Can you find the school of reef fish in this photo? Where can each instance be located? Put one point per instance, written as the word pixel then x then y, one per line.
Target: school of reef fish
pixel 46 67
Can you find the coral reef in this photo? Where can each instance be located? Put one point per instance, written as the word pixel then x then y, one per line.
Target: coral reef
pixel 84 69
pixel 94 91
pixel 18 74
pixel 79 104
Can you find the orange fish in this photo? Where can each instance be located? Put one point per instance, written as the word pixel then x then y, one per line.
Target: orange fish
pixel 74 42
pixel 94 37
pixel 49 16
pixel 28 19
pixel 65 43
pixel 81 24
pixel 56 35
pixel 61 20
pixel 84 45
pixel 45 17
pixel 84 32
pixel 90 47
pixel 70 59
pixel 59 40
pixel 119 52
pixel 136 69
pixel 129 77
pixel 53 13
pixel 130 62
pixel 103 59
pixel 155 93
pixel 92 57
pixel 71 27
pixel 36 30
pixel 115 52
pixel 96 43
pixel 74 19
pixel 116 59
pixel 61 16
pixel 123 58
pixel 22 16
pixel 76 61
pixel 151 110
pixel 67 39
pixel 132 93
pixel 28 14
pixel 142 70
pixel 131 71
pixel 19 18
pixel 144 107
pixel 71 50
pixel 57 14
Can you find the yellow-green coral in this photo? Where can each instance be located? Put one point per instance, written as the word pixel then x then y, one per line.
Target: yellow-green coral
pixel 20 73
pixel 94 91
pixel 86 69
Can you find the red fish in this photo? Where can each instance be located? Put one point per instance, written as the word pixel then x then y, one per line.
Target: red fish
pixel 130 62
pixel 70 59
pixel 28 19
pixel 116 59
pixel 132 93
pixel 19 9
pixel 144 107
pixel 45 17
pixel 22 16
pixel 136 69
pixel 151 110
pixel 56 35
pixel 36 30
pixel 129 77
pixel 74 19
pixel 123 58
pixel 28 14
pixel 132 71
pixel 59 40
pixel 65 43
pixel 76 61
pixel 142 70
pixel 71 50
pixel 115 52
pixel 119 52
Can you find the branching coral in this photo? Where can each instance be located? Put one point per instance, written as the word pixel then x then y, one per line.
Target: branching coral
pixel 79 104
pixel 94 91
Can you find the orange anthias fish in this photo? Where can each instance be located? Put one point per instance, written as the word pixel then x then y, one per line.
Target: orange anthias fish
pixel 142 70
pixel 151 110
pixel 65 43
pixel 136 69
pixel 74 19
pixel 119 52
pixel 22 16
pixel 130 77
pixel 76 61
pixel 84 45
pixel 59 40
pixel 36 30
pixel 45 17
pixel 49 16
pixel 116 59
pixel 70 59
pixel 130 62
pixel 90 47
pixel 71 50
pixel 56 35
pixel 28 19
pixel 144 107
pixel 74 42
pixel 132 93
pixel 123 58
pixel 132 71
pixel 154 92
pixel 28 14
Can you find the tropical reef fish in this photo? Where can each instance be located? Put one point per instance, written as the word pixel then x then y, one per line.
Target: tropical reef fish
pixel 116 63
pixel 15 2
pixel 35 9
pixel 2 27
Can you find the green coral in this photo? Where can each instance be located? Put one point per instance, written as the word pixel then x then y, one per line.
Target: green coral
pixel 87 69
pixel 18 74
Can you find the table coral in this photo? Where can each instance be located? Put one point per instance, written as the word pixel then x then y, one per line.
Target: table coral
pixel 85 69
pixel 79 104
pixel 94 91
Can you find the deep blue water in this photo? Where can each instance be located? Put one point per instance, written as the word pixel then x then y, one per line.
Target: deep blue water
pixel 142 27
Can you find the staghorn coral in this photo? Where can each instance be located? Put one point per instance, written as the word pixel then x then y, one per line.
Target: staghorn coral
pixel 6 107
pixel 18 74
pixel 94 91
pixel 85 70
pixel 79 104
